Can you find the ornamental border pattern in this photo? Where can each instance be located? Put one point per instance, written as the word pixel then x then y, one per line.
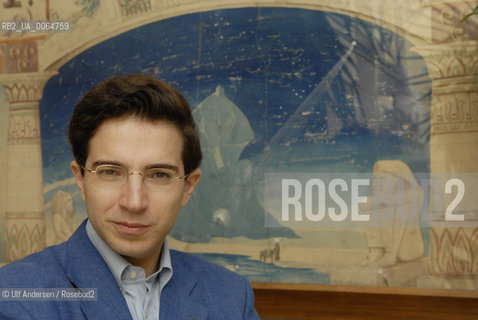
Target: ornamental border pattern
pixel 454 113
pixel 24 126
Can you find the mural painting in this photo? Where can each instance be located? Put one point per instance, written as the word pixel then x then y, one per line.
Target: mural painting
pixel 267 96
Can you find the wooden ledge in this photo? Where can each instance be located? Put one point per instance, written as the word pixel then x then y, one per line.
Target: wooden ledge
pixel 310 301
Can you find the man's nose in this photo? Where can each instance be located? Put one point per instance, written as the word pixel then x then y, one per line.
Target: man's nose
pixel 134 197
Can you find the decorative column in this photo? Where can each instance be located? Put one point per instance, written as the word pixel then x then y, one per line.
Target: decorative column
pixel 453 68
pixel 21 204
pixel 24 231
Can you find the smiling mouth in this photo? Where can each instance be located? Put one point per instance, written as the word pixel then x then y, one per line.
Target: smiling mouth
pixel 130 228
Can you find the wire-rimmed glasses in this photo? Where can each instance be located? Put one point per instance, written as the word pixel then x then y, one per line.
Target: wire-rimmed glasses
pixel 116 175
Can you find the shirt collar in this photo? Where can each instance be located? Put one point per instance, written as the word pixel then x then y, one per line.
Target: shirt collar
pixel 116 262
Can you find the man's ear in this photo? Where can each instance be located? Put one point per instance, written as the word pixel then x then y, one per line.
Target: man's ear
pixel 190 184
pixel 80 179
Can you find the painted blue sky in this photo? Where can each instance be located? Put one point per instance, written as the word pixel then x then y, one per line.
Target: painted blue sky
pixel 269 61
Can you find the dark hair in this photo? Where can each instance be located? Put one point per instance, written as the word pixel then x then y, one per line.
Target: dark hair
pixel 139 96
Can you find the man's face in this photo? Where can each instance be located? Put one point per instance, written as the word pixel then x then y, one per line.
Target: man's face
pixel 133 219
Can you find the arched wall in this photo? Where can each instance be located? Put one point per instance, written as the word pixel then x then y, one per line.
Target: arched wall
pixel 409 18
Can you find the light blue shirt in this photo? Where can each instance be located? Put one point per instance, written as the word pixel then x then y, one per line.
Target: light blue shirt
pixel 142 294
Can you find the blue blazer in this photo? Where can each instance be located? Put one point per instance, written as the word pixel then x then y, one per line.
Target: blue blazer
pixel 197 290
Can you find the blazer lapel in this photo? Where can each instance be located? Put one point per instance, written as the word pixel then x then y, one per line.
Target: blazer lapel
pixel 87 269
pixel 179 299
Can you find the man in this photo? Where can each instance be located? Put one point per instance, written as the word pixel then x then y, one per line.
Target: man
pixel 137 157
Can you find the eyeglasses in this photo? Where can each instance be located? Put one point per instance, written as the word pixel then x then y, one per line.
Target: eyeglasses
pixel 118 176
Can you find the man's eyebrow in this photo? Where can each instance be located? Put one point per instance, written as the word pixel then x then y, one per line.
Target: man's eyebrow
pixel 108 162
pixel 163 166
pixel 150 166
